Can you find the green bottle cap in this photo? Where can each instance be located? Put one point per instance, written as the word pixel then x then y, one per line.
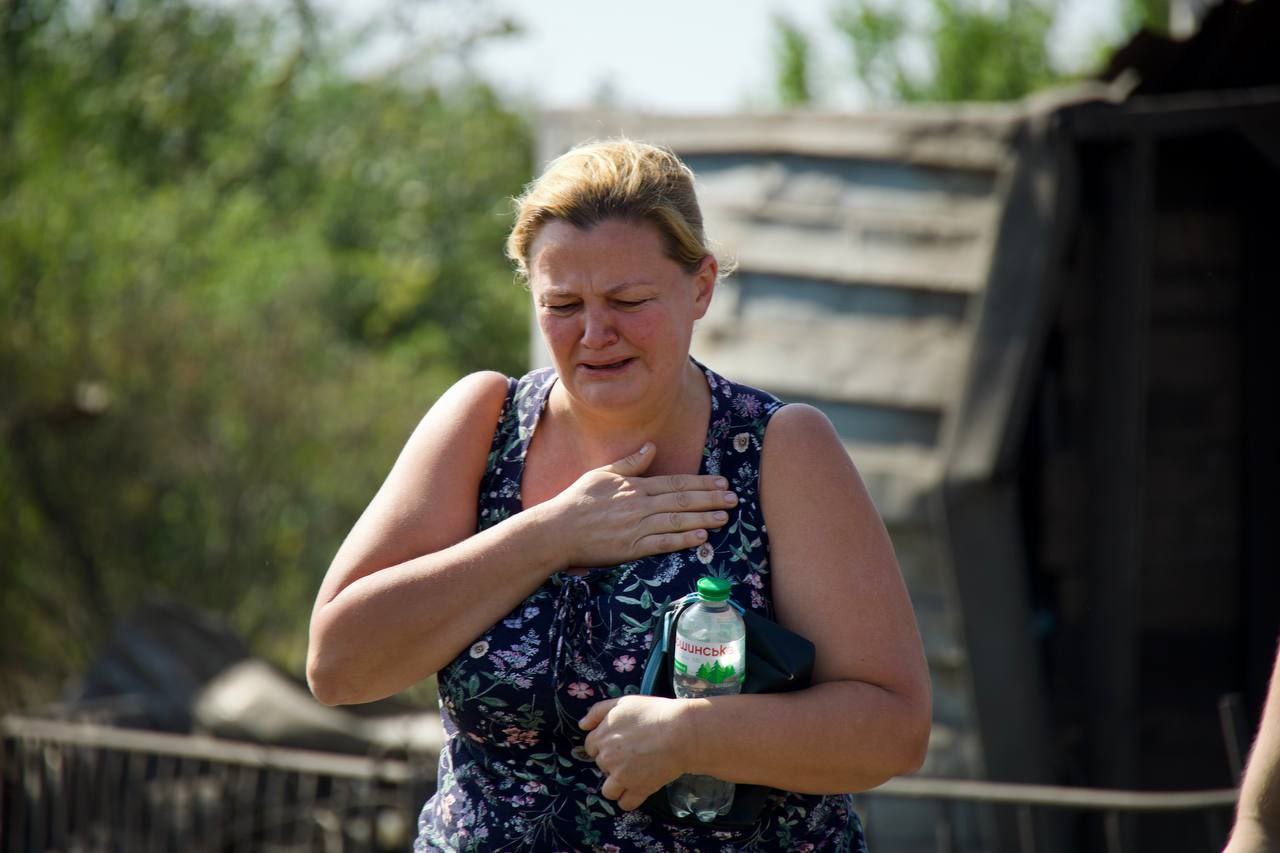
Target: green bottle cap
pixel 713 589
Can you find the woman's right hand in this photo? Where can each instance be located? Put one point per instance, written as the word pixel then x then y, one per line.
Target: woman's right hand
pixel 613 514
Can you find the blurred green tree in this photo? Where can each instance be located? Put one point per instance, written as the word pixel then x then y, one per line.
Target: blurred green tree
pixel 974 51
pixel 1145 14
pixel 232 277
pixel 792 54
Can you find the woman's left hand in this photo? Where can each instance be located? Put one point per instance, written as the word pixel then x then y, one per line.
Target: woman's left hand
pixel 640 742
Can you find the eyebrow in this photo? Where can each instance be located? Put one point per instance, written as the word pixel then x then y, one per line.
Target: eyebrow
pixel 555 291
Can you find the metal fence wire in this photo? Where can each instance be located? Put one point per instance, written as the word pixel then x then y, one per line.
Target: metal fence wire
pixel 82 787
pixel 76 787
pixel 1053 818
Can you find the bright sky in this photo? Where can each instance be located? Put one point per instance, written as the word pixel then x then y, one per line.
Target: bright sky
pixel 692 56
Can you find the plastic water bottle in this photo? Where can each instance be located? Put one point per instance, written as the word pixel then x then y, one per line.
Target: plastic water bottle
pixel 710 660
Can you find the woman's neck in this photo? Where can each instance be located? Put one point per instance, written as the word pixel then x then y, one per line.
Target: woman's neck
pixel 671 422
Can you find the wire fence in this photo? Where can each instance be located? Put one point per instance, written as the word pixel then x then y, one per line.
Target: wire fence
pixel 1056 818
pixel 83 787
pixel 79 787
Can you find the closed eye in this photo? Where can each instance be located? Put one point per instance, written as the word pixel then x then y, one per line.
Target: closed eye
pixel 565 308
pixel 630 303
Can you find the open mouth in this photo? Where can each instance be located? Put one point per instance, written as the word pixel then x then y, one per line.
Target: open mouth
pixel 609 367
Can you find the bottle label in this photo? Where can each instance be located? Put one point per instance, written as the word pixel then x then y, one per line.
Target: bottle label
pixel 715 663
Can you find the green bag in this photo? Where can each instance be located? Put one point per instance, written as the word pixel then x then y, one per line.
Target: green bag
pixel 778 661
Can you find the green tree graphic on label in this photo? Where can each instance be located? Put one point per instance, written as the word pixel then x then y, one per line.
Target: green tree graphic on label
pixel 715 673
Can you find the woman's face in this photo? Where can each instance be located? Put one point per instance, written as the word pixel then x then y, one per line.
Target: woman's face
pixel 616 312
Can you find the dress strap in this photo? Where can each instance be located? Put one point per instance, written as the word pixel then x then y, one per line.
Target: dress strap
pixel 500 487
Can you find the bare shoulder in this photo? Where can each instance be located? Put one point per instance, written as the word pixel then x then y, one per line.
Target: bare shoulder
pixel 798 440
pixel 448 449
pixel 834 577
pixel 808 480
pixel 487 385
pixel 490 381
pixel 428 500
pixel 797 422
pixel 454 433
pixel 476 395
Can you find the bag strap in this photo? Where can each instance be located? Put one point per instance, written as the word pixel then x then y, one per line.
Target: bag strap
pixel 664 619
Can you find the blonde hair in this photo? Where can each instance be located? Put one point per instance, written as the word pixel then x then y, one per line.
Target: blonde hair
pixel 613 179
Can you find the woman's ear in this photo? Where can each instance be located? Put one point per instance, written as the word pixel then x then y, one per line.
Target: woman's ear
pixel 704 282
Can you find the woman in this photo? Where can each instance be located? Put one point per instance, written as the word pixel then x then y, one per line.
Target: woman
pixel 1257 825
pixel 607 486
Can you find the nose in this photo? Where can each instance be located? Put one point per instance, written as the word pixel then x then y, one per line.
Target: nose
pixel 598 331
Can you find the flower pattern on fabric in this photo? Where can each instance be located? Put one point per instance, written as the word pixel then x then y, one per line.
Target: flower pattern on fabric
pixel 513 773
pixel 624 663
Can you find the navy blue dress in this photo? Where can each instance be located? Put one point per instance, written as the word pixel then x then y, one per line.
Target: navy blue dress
pixel 513 774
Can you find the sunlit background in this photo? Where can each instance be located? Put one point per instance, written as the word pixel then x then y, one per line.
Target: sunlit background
pixel 243 248
pixel 711 57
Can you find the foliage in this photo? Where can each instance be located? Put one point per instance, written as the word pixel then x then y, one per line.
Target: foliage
pixel 995 51
pixel 1146 14
pixel 231 279
pixel 792 59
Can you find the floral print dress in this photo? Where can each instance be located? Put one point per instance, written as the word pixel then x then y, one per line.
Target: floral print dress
pixel 513 774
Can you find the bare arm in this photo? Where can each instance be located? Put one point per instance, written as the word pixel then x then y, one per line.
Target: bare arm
pixel 378 624
pixel 1257 827
pixel 837 582
pixel 414 584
